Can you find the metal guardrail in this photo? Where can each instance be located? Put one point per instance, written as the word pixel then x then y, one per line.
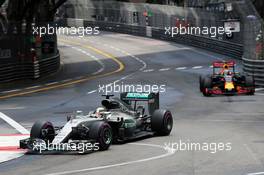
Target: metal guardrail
pixel 229 49
pixel 233 50
pixel 256 69
pixel 16 70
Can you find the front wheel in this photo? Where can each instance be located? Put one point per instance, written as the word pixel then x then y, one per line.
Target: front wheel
pixel 207 85
pixel 43 130
pixel 162 122
pixel 102 133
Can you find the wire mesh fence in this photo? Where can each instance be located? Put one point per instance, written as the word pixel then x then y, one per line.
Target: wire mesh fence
pixel 242 11
pixel 252 30
pixel 156 16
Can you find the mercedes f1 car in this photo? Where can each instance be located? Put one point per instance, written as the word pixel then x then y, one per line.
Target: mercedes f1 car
pixel 136 115
pixel 117 120
pixel 81 133
pixel 225 81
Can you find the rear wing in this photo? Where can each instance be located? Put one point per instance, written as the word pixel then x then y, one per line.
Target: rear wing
pixel 221 64
pixel 151 98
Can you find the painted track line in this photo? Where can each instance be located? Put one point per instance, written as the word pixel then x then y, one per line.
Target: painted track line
pixel 168 153
pixel 148 70
pixel 258 173
pixel 121 67
pixel 164 69
pixel 181 68
pixel 124 52
pixel 102 66
pixel 10 91
pixel 14 124
pixel 197 67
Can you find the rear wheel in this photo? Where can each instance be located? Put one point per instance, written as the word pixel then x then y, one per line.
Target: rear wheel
pixel 43 130
pixel 207 84
pixel 162 122
pixel 102 133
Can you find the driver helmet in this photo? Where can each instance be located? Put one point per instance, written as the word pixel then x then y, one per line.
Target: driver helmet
pixel 225 70
pixel 99 111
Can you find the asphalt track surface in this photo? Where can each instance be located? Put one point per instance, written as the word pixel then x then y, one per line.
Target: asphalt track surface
pixel 235 119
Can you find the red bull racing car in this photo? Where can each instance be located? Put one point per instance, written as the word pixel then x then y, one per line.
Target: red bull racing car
pixel 226 81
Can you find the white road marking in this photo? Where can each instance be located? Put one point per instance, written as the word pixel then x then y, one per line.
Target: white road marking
pixel 63 81
pixel 15 90
pixel 48 84
pixel 94 58
pixel 136 58
pixel 164 69
pixel 168 153
pixel 259 173
pixel 128 54
pixel 259 89
pixel 99 71
pixel 33 87
pixel 149 70
pixel 11 108
pixel 91 92
pixel 11 140
pixel 197 67
pixel 14 124
pixel 253 155
pixel 80 50
pixel 181 68
pixel 9 145
pixel 10 155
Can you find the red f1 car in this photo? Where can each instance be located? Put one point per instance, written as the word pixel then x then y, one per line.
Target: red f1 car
pixel 225 81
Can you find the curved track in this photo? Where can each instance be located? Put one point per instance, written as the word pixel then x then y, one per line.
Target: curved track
pixel 235 119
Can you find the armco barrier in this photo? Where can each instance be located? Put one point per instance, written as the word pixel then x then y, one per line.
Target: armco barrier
pixel 27 70
pixel 231 50
pixel 255 68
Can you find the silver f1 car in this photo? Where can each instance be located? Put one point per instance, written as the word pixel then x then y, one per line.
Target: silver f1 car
pixel 136 115
pixel 81 133
pixel 117 120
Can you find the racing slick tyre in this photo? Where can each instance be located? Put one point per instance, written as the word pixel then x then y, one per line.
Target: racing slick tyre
pixel 101 132
pixel 43 130
pixel 162 122
pixel 250 83
pixel 207 83
pixel 201 82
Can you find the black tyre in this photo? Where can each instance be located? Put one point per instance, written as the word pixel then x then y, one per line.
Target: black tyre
pixel 201 82
pixel 43 130
pixel 249 82
pixel 162 122
pixel 102 133
pixel 207 84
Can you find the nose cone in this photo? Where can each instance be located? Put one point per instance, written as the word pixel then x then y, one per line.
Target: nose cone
pixel 229 86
